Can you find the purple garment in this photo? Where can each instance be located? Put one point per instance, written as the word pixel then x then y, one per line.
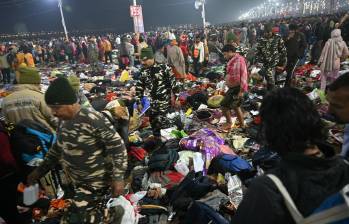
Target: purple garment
pixel 205 141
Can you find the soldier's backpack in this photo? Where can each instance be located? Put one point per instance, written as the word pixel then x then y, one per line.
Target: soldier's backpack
pixel 30 141
pixel 335 209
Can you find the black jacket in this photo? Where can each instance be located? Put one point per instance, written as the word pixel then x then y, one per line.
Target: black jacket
pixel 296 46
pixel 309 181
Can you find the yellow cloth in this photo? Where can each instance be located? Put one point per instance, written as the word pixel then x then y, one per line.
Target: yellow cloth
pixel 29 60
pixel 20 58
pixel 125 76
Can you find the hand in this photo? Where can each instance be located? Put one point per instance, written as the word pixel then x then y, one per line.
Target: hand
pixel 154 193
pixel 177 104
pixel 173 100
pixel 118 188
pixel 33 177
pixel 133 91
pixel 291 35
pixel 241 94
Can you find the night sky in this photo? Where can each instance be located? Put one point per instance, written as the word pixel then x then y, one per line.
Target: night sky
pixel 43 15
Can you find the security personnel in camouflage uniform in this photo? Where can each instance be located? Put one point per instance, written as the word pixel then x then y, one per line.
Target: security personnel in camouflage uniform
pixel 271 52
pixel 233 40
pixel 91 152
pixel 160 82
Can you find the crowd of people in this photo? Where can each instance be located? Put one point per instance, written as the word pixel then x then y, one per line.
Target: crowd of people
pixel 95 129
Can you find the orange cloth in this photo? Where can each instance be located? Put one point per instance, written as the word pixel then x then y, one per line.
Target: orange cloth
pixel 58 204
pixel 177 75
pixel 196 52
pixel 191 77
pixel 106 45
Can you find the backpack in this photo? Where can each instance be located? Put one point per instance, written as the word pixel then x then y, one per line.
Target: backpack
pixel 194 186
pixel 10 58
pixel 30 141
pixel 163 159
pixel 201 213
pixel 111 119
pixel 226 163
pixel 265 159
pixel 335 209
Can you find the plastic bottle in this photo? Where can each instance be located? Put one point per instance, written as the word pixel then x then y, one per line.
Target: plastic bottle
pixel 182 115
pixel 198 162
pixel 31 194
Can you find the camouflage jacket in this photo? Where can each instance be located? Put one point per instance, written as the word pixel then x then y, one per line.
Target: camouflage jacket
pixel 271 52
pixel 90 151
pixel 159 82
pixel 242 51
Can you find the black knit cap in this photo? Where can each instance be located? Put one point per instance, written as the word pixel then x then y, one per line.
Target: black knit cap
pixel 60 92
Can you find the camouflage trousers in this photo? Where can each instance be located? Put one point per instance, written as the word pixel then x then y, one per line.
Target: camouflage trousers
pixel 158 120
pixel 87 206
pixel 269 75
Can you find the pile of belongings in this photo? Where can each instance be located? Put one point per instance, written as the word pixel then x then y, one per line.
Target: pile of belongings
pixel 195 169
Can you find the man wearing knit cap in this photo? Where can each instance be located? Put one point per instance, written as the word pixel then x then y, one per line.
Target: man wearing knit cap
pixel 272 54
pixel 92 154
pixel 233 40
pixel 159 81
pixel 26 101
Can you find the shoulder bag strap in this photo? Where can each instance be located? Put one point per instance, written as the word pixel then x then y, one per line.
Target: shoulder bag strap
pixel 297 216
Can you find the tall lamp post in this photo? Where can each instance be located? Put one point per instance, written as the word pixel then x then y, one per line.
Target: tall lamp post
pixel 201 3
pixel 63 20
